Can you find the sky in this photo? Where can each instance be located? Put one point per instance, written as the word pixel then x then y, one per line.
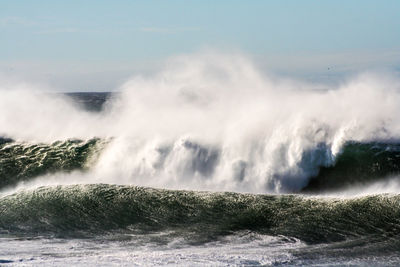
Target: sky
pixel 95 45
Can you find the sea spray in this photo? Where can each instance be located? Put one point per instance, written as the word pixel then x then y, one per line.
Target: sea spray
pixel 218 123
pixel 214 122
pixel 72 168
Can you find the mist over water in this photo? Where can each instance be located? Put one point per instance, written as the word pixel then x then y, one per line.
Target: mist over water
pixel 210 122
pixel 85 177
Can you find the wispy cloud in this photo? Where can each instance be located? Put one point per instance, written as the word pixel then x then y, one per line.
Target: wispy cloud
pixel 168 30
pixel 37 27
pixel 16 21
pixel 57 31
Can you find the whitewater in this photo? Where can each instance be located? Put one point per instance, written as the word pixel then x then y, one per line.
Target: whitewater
pixel 209 161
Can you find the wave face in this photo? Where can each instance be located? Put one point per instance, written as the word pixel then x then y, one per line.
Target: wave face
pixel 21 162
pixel 358 163
pixel 94 209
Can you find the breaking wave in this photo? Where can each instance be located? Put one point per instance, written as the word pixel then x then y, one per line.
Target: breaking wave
pixel 20 162
pixel 357 163
pixel 208 122
pixel 95 209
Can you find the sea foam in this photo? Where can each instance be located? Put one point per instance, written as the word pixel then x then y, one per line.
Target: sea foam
pixel 213 122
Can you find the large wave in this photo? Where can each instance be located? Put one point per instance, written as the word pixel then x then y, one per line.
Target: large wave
pixel 20 162
pixel 88 210
pixel 214 122
pixel 358 164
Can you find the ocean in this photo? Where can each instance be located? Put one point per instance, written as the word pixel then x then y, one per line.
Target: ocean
pixel 190 168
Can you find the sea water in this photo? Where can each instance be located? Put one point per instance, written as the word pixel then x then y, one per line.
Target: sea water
pixel 208 162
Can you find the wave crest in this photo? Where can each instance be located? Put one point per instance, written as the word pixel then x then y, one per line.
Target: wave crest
pixel 215 122
pixel 94 209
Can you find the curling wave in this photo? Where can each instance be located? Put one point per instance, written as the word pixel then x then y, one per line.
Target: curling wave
pixel 94 209
pixel 20 162
pixel 356 164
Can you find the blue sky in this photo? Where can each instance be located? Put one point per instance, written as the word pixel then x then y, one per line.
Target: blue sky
pixel 73 41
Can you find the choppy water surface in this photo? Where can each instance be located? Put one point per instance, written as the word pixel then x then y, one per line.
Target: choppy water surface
pixel 188 167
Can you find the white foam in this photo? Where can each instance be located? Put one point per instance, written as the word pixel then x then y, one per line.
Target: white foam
pixel 214 122
pixel 239 249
